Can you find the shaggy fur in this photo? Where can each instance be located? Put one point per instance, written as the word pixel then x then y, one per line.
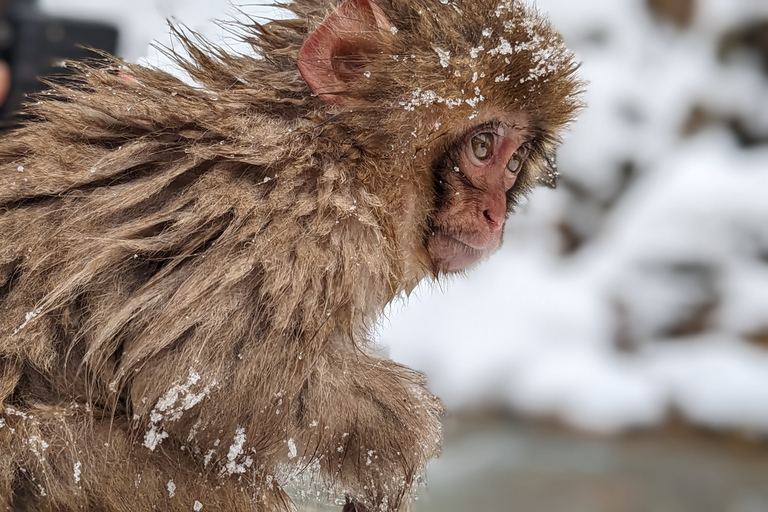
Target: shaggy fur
pixel 188 274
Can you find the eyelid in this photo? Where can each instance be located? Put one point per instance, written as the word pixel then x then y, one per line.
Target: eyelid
pixel 489 127
pixel 527 147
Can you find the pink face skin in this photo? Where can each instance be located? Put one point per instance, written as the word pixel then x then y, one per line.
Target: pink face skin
pixel 469 223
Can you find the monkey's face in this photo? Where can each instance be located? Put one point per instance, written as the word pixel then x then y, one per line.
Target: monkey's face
pixel 472 185
pixel 413 74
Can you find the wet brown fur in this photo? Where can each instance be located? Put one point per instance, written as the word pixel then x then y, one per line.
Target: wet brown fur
pixel 196 269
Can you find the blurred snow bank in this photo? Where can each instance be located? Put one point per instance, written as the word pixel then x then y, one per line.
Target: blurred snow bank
pixel 639 287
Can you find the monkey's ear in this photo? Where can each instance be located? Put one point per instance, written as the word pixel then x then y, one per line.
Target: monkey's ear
pixel 334 55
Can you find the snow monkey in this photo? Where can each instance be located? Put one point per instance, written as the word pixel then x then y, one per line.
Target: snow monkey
pixel 190 271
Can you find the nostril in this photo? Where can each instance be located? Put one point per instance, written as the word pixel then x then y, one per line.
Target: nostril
pixel 494 211
pixel 494 222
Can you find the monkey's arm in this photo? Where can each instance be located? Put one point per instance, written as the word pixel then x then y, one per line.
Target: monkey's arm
pixel 374 425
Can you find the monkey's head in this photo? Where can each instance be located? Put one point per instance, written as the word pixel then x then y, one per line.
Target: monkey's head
pixel 470 96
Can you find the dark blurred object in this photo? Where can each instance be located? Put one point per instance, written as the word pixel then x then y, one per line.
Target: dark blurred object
pixel 747 133
pixel 35 45
pixel 752 37
pixel 680 12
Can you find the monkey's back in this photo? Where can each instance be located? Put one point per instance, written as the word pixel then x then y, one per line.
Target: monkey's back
pixel 178 264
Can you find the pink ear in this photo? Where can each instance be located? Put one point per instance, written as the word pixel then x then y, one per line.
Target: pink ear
pixel 328 57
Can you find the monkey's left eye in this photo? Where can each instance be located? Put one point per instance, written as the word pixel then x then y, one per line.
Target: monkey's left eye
pixel 517 159
pixel 482 146
pixel 514 163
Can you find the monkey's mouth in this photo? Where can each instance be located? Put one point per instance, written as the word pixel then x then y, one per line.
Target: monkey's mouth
pixel 453 253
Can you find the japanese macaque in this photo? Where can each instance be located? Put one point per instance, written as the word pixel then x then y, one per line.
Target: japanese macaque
pixel 189 273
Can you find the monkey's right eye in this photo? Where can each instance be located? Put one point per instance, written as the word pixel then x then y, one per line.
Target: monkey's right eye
pixel 482 146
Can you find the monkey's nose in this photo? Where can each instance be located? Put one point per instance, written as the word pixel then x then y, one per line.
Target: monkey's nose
pixel 493 221
pixel 494 214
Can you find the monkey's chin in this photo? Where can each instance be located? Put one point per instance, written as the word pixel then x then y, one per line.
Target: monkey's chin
pixel 452 255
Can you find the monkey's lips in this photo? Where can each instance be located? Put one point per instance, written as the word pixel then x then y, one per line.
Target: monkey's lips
pixel 454 253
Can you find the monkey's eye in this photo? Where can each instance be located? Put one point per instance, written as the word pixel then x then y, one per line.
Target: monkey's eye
pixel 482 146
pixel 514 163
pixel 517 159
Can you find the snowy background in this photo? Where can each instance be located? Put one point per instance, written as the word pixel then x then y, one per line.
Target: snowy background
pixel 639 288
